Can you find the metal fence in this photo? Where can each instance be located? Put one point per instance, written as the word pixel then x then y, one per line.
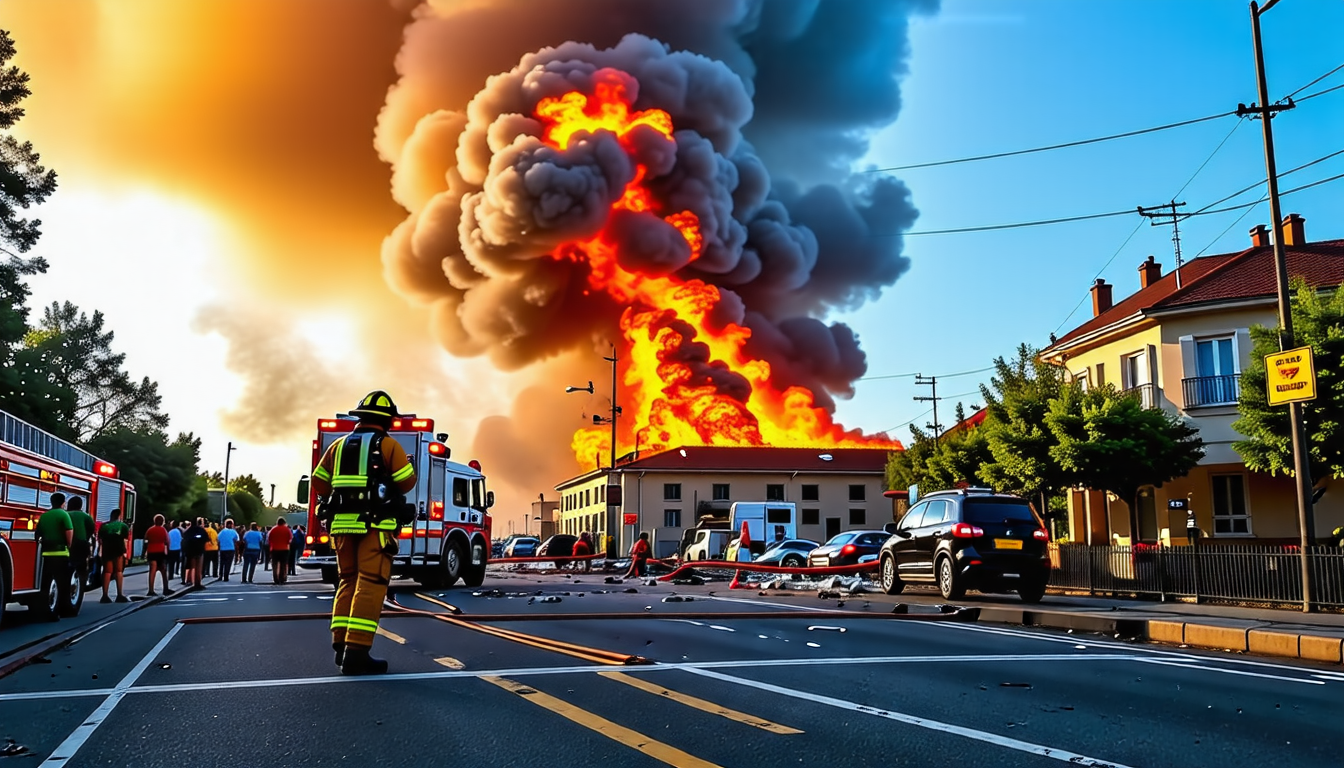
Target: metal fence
pixel 1241 575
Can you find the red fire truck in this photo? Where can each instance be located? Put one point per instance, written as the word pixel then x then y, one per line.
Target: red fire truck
pixel 33 465
pixel 450 538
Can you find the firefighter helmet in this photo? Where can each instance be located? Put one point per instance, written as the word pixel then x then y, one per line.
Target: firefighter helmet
pixel 378 404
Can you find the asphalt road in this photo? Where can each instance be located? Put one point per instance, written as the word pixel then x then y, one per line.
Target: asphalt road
pixel 746 688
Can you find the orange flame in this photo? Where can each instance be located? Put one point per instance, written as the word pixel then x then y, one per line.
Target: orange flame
pixel 663 405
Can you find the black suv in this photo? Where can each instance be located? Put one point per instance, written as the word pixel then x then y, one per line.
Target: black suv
pixel 976 538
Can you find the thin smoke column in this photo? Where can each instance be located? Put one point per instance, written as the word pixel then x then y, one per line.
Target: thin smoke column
pixel 504 220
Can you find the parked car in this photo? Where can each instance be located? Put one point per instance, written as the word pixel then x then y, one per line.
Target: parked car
pixel 522 546
pixel 707 544
pixel 972 538
pixel 496 549
pixel 848 548
pixel 559 544
pixel 790 553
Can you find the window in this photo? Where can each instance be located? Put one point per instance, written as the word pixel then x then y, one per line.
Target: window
pixel 858 492
pixel 939 511
pixel 811 517
pixel 810 493
pixel 1214 357
pixel 774 492
pixel 671 518
pixel 1101 374
pixel 461 492
pixel 778 515
pixel 856 517
pixel 602 493
pixel 721 492
pixel 671 491
pixel 1135 370
pixel 1231 517
pixel 914 516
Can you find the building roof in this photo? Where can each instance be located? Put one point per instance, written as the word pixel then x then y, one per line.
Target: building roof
pixel 1225 278
pixel 718 458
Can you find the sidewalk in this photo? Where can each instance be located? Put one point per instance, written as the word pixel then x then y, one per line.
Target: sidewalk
pixel 1270 631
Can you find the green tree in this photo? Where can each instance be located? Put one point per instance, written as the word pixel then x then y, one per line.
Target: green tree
pixel 246 508
pixel 1318 322
pixel 25 389
pixel 23 180
pixel 78 355
pixel 955 459
pixel 163 473
pixel 1109 442
pixel 1020 443
pixel 246 484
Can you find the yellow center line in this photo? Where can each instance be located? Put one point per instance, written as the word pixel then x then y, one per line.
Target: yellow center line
pixel 700 704
pixel 450 662
pixel 633 739
pixel 393 636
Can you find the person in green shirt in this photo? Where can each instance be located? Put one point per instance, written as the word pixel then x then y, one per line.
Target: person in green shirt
pixel 112 540
pixel 81 544
pixel 54 534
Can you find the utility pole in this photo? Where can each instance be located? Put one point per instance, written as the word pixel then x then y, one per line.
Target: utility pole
pixel 272 494
pixel 223 513
pixel 613 492
pixel 932 383
pixel 1173 218
pixel 1301 468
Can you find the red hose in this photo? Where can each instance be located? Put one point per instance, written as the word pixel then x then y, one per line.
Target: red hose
pixel 830 570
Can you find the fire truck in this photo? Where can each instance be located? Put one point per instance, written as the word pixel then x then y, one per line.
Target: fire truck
pixel 34 464
pixel 450 537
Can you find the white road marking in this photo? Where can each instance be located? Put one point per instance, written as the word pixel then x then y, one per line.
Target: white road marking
pixel 772 605
pixel 722 628
pixel 814 645
pixel 298 597
pixel 920 722
pixel 74 741
pixel 1166 663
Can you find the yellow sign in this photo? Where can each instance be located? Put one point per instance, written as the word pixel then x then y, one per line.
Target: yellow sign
pixel 1290 377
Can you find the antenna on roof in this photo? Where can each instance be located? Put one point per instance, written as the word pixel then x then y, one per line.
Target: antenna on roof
pixel 1159 217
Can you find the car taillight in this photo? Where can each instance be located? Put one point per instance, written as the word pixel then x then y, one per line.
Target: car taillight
pixel 310 539
pixel 323 539
pixel 1041 534
pixel 436 510
pixel 848 549
pixel 405 533
pixel 966 531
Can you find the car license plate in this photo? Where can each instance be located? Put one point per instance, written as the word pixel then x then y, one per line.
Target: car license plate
pixel 1007 544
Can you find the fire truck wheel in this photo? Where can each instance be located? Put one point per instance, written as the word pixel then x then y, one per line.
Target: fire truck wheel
pixel 453 557
pixel 2 594
pixel 47 602
pixel 74 595
pixel 474 575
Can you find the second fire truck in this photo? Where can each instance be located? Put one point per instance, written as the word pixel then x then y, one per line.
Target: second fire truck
pixel 450 537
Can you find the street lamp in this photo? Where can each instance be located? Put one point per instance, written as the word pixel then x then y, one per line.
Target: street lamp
pixel 1301 468
pixel 223 513
pixel 613 495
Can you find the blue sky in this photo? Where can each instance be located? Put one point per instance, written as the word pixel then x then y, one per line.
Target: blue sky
pixel 990 76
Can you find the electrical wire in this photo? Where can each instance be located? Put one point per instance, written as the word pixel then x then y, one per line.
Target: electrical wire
pixel 1320 93
pixel 1250 187
pixel 1227 229
pixel 1017 225
pixel 1313 82
pixel 929 411
pixel 1104 267
pixel 1284 193
pixel 1212 154
pixel 935 375
pixel 1065 145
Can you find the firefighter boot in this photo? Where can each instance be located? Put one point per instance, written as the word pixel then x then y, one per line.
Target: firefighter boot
pixel 357 661
pixel 339 648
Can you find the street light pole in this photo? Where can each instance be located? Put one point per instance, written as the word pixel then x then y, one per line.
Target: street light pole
pixel 223 513
pixel 1301 467
pixel 613 511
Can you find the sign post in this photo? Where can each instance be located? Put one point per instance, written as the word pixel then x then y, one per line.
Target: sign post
pixel 1290 376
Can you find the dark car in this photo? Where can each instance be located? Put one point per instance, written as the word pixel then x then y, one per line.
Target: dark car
pixel 848 548
pixel 521 546
pixel 972 538
pixel 790 553
pixel 559 544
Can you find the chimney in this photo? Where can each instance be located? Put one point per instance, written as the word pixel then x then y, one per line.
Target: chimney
pixel 1293 232
pixel 1259 236
pixel 1149 272
pixel 1101 297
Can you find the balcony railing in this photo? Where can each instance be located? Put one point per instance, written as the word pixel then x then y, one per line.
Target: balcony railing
pixel 1211 390
pixel 1146 393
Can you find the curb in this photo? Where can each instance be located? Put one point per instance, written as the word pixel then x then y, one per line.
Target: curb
pixel 1258 640
pixel 24 654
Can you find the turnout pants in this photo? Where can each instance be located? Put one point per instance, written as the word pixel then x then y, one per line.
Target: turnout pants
pixel 365 564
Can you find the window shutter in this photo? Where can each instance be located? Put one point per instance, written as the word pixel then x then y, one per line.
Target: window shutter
pixel 1152 365
pixel 1242 349
pixel 1188 366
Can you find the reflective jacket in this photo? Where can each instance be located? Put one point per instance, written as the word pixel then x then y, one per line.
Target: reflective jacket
pixel 345 476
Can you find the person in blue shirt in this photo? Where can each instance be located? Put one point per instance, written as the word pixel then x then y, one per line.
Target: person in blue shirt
pixel 253 546
pixel 174 550
pixel 296 545
pixel 228 548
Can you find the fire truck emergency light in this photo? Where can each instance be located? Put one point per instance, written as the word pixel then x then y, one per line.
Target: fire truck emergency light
pixel 438 449
pixel 474 464
pixel 104 469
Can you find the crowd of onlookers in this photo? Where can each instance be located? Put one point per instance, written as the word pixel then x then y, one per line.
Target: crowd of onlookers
pixel 190 551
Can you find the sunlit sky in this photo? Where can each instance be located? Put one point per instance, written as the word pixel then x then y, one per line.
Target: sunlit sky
pixel 986 76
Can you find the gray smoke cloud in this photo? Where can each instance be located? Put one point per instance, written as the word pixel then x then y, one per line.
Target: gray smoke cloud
pixel 772 103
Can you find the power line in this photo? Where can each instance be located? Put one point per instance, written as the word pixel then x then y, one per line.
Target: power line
pixel 926 413
pixel 1017 225
pixel 1263 199
pixel 1081 301
pixel 1065 145
pixel 1226 229
pixel 913 375
pixel 1320 93
pixel 1246 189
pixel 1313 82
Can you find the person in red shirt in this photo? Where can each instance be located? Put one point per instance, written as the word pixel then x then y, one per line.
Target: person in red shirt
pixel 278 539
pixel 582 548
pixel 156 552
pixel 639 557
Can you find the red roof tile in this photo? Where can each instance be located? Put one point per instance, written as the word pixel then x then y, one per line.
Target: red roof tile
pixel 1226 277
pixel 765 459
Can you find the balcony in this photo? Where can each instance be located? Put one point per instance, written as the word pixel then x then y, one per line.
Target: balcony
pixel 1202 391
pixel 1146 394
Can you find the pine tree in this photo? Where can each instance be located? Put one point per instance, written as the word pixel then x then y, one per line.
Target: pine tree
pixel 23 180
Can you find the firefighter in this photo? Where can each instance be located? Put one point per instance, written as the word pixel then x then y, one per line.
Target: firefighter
pixel 360 483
